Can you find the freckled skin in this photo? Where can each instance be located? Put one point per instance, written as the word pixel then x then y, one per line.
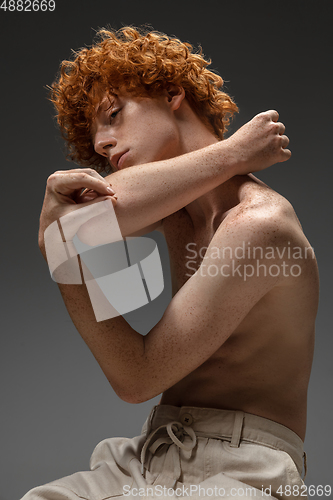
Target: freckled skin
pixel 224 341
pixel 264 366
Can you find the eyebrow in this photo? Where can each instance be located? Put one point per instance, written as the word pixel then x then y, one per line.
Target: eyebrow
pixel 110 98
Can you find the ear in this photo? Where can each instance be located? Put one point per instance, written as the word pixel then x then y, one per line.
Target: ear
pixel 175 95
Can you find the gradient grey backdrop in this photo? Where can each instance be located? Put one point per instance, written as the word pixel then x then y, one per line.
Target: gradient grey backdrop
pixel 56 404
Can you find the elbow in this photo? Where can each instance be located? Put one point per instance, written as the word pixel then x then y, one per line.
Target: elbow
pixel 133 394
pixel 133 399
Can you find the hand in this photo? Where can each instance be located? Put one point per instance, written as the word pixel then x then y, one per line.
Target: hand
pixel 259 144
pixel 62 196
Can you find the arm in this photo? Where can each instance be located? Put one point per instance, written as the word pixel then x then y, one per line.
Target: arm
pixel 148 193
pixel 139 368
pixel 121 352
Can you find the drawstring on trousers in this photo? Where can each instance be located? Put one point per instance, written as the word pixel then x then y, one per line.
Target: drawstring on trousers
pixel 177 431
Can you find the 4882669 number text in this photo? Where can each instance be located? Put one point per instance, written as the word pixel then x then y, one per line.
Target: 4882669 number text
pixel 28 5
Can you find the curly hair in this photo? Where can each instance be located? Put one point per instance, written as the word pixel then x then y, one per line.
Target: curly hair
pixel 144 63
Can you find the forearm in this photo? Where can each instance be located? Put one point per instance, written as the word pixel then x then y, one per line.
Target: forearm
pixel 148 193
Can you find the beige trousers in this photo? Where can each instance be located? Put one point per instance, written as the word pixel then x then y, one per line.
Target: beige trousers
pixel 193 453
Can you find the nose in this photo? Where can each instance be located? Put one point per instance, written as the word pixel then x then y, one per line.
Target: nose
pixel 103 141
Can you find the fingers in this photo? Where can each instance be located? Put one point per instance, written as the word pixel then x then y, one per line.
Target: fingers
pixel 91 202
pixel 66 182
pixel 272 114
pixel 87 195
pixel 285 153
pixel 281 128
pixel 284 141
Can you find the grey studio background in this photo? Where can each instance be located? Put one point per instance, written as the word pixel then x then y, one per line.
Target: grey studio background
pixel 56 404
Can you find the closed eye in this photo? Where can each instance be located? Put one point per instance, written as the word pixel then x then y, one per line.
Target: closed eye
pixel 113 115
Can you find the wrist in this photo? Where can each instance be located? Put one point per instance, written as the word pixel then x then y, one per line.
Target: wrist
pixel 231 164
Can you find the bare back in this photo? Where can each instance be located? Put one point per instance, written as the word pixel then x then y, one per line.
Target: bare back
pixel 264 367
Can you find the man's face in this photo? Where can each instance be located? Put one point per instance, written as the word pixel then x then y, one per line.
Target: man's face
pixel 135 130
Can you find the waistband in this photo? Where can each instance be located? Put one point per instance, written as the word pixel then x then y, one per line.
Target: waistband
pixel 233 426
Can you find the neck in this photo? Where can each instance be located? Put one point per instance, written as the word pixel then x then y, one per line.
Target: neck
pixel 209 209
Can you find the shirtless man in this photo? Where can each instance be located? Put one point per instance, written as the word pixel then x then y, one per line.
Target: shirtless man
pixel 232 353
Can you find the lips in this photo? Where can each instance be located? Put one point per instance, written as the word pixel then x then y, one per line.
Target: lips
pixel 118 159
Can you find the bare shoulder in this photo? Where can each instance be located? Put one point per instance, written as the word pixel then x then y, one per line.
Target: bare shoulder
pixel 258 200
pixel 263 232
pixel 265 216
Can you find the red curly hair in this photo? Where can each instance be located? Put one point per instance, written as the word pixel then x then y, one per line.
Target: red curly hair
pixel 144 63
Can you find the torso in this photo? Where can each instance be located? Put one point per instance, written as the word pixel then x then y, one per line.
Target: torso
pixel 264 366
